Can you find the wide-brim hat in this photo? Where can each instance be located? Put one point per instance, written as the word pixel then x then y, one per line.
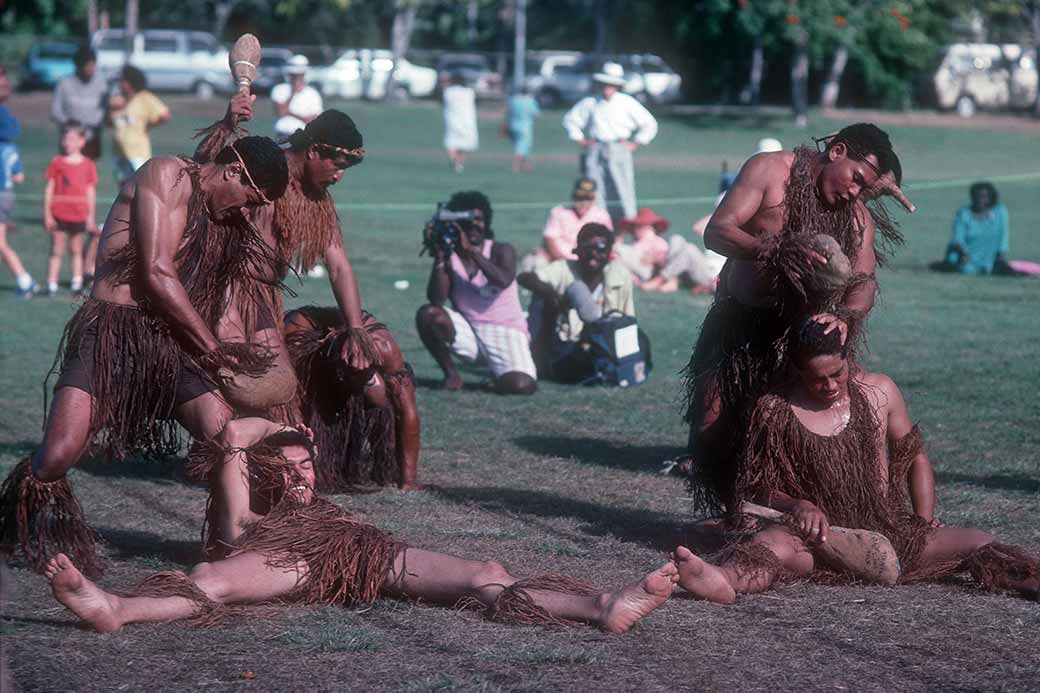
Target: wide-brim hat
pixel 645 217
pixel 612 74
pixel 297 65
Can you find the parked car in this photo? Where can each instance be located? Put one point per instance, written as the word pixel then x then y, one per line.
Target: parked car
pixel 475 69
pixel 570 80
pixel 985 75
pixel 271 70
pixel 185 61
pixel 653 80
pixel 46 63
pixel 365 73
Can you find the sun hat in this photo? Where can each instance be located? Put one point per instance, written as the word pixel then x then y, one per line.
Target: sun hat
pixel 297 65
pixel 645 217
pixel 612 74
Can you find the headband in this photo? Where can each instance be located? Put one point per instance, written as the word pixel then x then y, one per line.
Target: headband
pixel 249 177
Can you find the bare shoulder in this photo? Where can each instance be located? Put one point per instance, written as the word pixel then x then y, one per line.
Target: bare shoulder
pixel 165 176
pixel 880 389
pixel 767 168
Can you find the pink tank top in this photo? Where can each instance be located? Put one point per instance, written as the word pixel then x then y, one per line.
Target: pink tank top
pixel 479 301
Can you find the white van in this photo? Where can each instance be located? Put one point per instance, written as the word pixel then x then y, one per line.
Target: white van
pixel 985 75
pixel 185 61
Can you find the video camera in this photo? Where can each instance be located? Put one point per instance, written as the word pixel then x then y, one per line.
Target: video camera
pixel 445 234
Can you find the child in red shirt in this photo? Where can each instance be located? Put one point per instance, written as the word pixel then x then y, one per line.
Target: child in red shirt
pixel 68 205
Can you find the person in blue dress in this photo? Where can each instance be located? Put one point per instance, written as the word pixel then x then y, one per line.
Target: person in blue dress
pixel 521 110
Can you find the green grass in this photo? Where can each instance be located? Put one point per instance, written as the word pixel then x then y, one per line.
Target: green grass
pixel 566 481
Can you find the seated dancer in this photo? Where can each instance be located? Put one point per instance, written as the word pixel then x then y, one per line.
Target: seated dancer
pixel 183 280
pixel 569 293
pixel 365 419
pixel 836 447
pixel 308 549
pixel 764 226
pixel 487 324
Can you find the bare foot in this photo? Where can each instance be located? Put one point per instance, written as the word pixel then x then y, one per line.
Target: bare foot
pixel 81 596
pixel 668 286
pixel 702 579
pixel 628 605
pixel 452 382
pixel 412 486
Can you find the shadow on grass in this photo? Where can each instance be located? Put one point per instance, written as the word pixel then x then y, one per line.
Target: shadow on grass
pixel 18 448
pixel 605 453
pixel 435 384
pixel 125 544
pixel 166 469
pixel 1004 482
pixel 627 524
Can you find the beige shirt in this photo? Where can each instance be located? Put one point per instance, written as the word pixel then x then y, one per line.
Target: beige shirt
pixel 614 293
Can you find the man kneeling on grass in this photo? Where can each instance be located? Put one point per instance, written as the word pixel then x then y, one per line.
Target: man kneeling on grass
pixel 303 547
pixel 837 448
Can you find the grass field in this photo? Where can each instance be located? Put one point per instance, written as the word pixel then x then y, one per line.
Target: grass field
pixel 567 481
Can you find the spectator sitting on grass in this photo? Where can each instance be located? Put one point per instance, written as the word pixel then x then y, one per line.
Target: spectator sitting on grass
pixel 660 265
pixel 980 238
pixel 569 293
pixel 560 234
pixel 487 324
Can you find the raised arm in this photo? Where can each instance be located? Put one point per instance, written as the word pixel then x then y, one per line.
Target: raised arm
pixel 724 233
pixel 158 228
pixel 920 479
pixel 500 268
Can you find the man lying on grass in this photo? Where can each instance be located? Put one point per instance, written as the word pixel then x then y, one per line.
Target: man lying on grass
pixel 302 547
pixel 837 447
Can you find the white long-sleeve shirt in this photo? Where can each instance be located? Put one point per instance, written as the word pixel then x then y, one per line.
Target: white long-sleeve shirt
pixel 616 119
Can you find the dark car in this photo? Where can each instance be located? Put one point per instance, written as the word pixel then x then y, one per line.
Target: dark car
pixel 270 72
pixel 47 63
pixel 475 69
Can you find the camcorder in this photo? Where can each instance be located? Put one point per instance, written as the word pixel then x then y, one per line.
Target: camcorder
pixel 445 229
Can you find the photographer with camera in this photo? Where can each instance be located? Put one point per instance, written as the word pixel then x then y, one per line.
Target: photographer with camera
pixel 478 274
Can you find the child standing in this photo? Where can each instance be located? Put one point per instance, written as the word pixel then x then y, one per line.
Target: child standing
pixel 68 205
pixel 10 173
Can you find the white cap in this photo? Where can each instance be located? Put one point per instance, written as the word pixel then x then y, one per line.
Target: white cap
pixel 768 144
pixel 297 65
pixel 612 74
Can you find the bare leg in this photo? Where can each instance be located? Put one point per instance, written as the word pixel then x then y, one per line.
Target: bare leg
pixel 437 332
pixel 996 566
pixel 402 395
pixel 54 261
pixel 205 416
pixel 66 435
pixel 8 255
pixel 723 582
pixel 242 578
pixel 90 256
pixel 76 259
pixel 419 574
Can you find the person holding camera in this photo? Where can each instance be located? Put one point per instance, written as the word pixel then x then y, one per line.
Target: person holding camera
pixel 478 274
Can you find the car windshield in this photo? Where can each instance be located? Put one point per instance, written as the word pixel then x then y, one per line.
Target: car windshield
pixel 57 50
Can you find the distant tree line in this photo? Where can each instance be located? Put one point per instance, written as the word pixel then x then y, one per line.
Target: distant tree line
pixel 802 52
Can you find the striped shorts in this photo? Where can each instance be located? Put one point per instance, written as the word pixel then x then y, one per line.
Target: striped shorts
pixel 502 348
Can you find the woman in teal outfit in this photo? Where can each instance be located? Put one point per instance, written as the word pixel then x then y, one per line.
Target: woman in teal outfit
pixel 521 111
pixel 980 236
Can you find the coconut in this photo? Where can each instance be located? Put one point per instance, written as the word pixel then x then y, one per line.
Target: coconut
pixel 834 276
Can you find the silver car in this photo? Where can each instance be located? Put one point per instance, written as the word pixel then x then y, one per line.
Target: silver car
pixel 185 61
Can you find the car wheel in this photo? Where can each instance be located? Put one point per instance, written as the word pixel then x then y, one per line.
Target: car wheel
pixel 965 106
pixel 547 98
pixel 203 90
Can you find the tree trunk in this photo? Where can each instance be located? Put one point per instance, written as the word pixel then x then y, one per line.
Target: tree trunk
pixel 472 12
pixel 131 27
pixel 758 63
pixel 519 44
pixel 601 10
pixel 800 80
pixel 400 38
pixel 831 88
pixel 92 18
pixel 1034 11
pixel 221 14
